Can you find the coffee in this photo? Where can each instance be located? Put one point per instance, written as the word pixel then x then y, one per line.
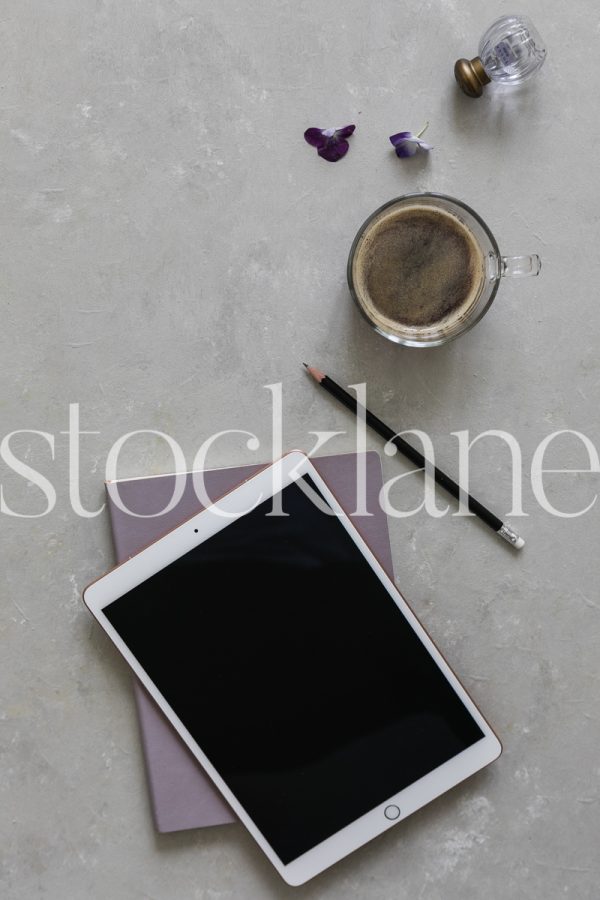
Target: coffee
pixel 417 268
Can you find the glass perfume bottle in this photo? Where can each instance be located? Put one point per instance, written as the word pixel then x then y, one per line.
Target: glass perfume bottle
pixel 510 52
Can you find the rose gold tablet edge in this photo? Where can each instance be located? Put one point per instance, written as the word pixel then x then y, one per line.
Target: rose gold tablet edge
pixel 188 519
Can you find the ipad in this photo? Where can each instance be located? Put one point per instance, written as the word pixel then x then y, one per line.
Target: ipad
pixel 292 667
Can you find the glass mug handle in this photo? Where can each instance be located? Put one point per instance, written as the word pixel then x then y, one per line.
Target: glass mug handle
pixel 520 266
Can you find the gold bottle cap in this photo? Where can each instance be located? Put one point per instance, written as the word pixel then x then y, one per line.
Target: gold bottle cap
pixel 471 76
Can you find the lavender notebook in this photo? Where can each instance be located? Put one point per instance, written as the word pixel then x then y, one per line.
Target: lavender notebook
pixel 182 795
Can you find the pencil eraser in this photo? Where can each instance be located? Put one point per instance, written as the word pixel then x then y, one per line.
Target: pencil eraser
pixel 519 543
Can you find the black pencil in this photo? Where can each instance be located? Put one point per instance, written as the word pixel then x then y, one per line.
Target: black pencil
pixel 351 403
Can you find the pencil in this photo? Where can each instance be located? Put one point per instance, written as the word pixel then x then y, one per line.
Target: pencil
pixel 492 521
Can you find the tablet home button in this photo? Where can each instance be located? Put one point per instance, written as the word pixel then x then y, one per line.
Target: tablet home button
pixel 391 812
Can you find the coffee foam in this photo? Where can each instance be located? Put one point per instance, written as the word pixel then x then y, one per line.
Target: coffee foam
pixel 418 270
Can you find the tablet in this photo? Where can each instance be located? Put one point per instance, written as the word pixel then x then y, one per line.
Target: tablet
pixel 289 663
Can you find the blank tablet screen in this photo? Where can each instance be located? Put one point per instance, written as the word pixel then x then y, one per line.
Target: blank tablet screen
pixel 295 672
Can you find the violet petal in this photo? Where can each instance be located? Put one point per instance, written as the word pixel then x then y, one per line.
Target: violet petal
pixel 334 150
pixel 331 143
pixel 315 137
pixel 400 137
pixel 406 143
pixel 406 148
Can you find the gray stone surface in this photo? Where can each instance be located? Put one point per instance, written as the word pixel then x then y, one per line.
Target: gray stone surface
pixel 169 247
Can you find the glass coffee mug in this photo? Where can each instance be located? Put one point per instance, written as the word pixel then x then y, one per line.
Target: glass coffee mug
pixel 424 268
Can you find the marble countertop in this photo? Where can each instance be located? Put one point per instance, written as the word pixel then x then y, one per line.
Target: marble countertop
pixel 171 247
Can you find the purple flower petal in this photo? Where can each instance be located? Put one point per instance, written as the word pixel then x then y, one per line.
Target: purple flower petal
pixel 345 132
pixel 405 149
pixel 315 137
pixel 400 137
pixel 331 143
pixel 334 150
pixel 406 143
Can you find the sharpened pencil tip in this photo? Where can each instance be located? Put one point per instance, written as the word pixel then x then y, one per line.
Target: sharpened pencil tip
pixel 305 365
pixel 315 373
